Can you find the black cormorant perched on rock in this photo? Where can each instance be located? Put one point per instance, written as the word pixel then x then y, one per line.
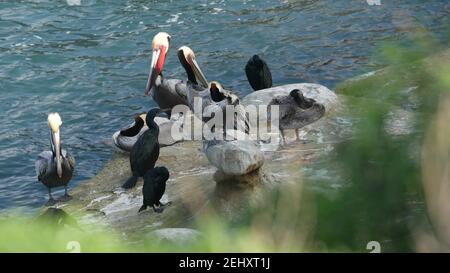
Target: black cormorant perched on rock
pixel 296 111
pixel 154 187
pixel 258 73
pixel 145 151
pixel 55 168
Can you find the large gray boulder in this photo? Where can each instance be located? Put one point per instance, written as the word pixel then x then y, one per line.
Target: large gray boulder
pixel 237 157
pixel 314 91
pixel 262 98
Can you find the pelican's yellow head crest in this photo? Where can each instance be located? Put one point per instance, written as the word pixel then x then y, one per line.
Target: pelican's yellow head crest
pixel 54 122
pixel 161 39
pixel 188 53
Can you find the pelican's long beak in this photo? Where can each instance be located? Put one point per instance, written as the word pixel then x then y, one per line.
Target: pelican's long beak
pixel 158 58
pixel 199 74
pixel 57 149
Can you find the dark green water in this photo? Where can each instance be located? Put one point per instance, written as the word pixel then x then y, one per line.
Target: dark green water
pixel 89 62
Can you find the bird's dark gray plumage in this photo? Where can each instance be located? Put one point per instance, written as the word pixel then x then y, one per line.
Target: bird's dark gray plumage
pixel 46 169
pixel 145 151
pixel 258 73
pixel 57 218
pixel 126 137
pixel 154 188
pixel 169 93
pixel 296 111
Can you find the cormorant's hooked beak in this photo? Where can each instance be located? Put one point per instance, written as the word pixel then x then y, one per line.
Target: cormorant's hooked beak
pixel 156 66
pixel 57 150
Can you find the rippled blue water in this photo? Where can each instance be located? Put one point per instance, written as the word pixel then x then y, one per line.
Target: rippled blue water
pixel 89 62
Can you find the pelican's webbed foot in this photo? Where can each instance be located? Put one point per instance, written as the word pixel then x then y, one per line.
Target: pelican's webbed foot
pixel 51 202
pixel 297 134
pixel 65 198
pixel 282 137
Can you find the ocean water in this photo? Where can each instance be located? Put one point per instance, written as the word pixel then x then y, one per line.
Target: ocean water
pixel 89 59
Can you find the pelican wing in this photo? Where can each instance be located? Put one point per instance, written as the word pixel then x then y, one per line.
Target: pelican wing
pixel 70 159
pixel 181 89
pixel 192 92
pixel 42 163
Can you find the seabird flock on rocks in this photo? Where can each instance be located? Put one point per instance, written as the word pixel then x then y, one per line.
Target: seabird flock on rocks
pixel 55 168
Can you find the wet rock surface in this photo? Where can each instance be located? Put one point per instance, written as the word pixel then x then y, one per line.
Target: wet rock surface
pixel 196 187
pixel 319 93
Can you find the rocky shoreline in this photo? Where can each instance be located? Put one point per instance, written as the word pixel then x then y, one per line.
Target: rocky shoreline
pixel 196 187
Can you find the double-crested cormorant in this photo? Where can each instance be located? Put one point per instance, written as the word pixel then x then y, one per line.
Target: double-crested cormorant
pixel 258 73
pixel 55 168
pixel 154 187
pixel 296 111
pixel 145 151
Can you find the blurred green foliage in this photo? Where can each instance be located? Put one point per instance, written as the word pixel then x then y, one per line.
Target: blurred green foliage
pixel 384 200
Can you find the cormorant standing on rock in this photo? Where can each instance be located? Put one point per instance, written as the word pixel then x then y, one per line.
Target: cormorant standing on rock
pixel 145 151
pixel 258 73
pixel 154 187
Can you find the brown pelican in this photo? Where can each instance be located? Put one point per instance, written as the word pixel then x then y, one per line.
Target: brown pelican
pixel 296 111
pixel 187 59
pixel 55 168
pixel 145 151
pixel 125 138
pixel 207 91
pixel 215 95
pixel 168 93
pixel 154 188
